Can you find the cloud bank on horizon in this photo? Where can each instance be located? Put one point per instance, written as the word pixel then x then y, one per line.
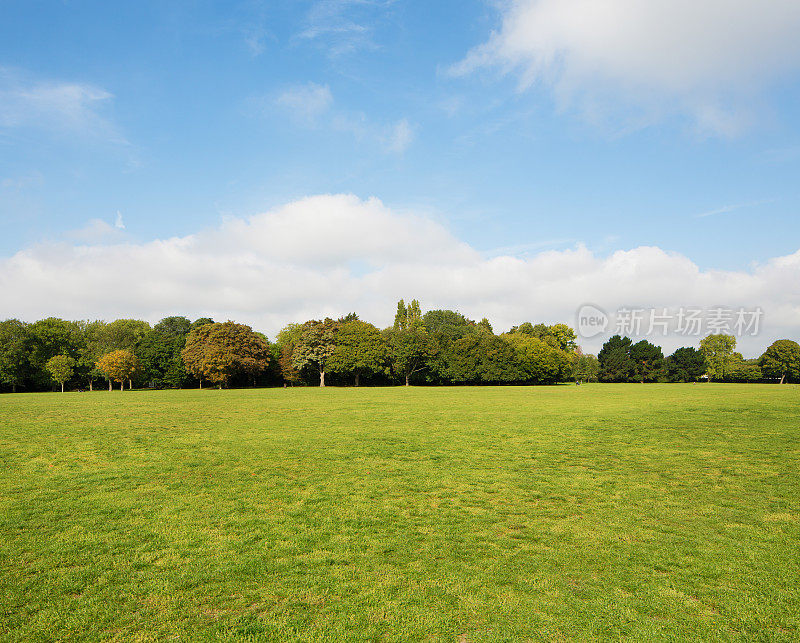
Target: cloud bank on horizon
pixel 327 255
pixel 648 59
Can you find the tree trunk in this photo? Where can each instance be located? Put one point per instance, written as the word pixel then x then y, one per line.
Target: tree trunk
pixel 13 388
pixel 358 379
pixel 62 387
pixel 201 382
pixel 109 385
pixel 130 385
pixel 90 386
pixel 322 378
pixel 783 376
pixel 406 380
pixel 122 385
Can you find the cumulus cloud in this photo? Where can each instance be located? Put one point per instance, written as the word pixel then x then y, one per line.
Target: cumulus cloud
pixel 702 58
pixel 331 254
pixel 63 107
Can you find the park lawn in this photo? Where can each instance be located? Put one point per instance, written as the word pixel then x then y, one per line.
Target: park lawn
pixel 402 514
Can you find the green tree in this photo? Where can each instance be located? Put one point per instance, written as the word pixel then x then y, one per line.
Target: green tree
pixel 585 368
pixel 564 336
pixel 15 348
pixel 648 361
pixel 202 321
pixel 287 339
pixel 615 360
pixel 401 316
pixel 50 337
pixel 483 358
pixel 173 327
pixel 686 364
pixel 409 350
pixel 560 336
pixel 61 368
pixel 315 346
pixel 360 350
pixel 743 370
pixel 95 344
pixel 782 360
pixel 445 328
pixel 718 353
pixel 218 351
pixel 125 334
pixel 448 325
pixel 538 361
pixel 160 352
pixel 406 316
pixel 485 326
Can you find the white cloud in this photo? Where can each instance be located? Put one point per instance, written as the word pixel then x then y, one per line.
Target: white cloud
pixel 732 208
pixel 306 103
pixel 330 254
pixel 63 107
pixel 95 231
pixel 704 58
pixel 401 136
pixel 344 26
pixel 312 106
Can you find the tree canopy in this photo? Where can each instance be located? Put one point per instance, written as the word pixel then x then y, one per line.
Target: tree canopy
pixel 718 353
pixel 782 360
pixel 686 364
pixel 316 346
pixel 218 351
pixel 61 368
pixel 615 360
pixel 360 350
pixel 118 366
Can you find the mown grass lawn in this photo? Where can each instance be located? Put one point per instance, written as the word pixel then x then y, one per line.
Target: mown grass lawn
pixel 452 514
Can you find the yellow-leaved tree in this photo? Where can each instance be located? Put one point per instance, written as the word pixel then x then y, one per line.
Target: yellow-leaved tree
pixel 118 366
pixel 216 352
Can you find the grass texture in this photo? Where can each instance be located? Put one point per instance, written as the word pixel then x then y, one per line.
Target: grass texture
pixel 641 512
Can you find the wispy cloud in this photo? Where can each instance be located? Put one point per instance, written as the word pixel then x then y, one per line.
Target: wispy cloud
pixel 96 231
pixel 400 137
pixel 307 102
pixel 393 138
pixel 62 107
pixel 344 26
pixel 20 183
pixel 732 208
pixel 311 105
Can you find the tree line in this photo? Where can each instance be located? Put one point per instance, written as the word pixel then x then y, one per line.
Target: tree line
pixel 437 347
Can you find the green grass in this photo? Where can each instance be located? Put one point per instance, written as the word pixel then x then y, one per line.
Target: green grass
pixel 455 514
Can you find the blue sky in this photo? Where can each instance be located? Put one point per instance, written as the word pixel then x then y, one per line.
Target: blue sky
pixel 169 118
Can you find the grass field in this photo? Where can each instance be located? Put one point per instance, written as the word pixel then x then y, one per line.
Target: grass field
pixel 452 514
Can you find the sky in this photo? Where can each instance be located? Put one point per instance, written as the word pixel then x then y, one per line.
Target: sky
pixel 270 162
